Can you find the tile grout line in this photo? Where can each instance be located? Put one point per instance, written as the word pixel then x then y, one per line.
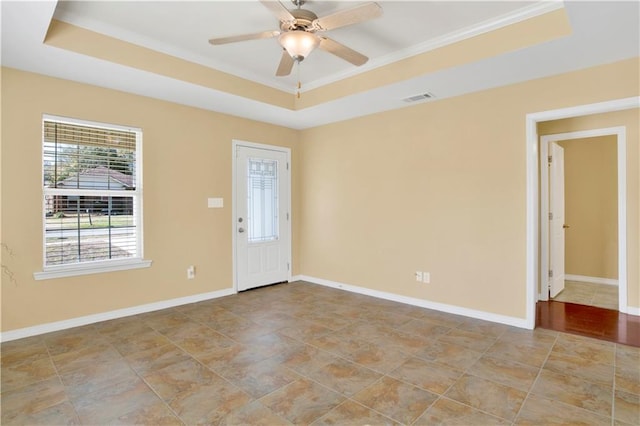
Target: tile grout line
pixel 165 403
pixel 613 390
pixel 106 341
pixel 593 382
pixel 194 358
pixel 443 394
pixel 347 398
pixel 466 371
pixel 350 398
pixel 138 375
pixel 535 381
pixel 301 376
pixel 55 367
pixel 48 356
pixel 197 360
pixel 162 400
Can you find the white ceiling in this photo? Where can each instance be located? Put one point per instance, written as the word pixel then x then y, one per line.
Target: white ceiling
pixel 603 32
pixel 183 29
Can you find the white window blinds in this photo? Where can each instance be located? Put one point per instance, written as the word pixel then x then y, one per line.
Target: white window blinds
pixel 92 193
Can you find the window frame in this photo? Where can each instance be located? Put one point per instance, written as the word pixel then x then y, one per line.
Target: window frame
pixel 95 266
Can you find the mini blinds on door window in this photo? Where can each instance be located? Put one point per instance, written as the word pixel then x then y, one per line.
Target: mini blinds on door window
pixel 91 193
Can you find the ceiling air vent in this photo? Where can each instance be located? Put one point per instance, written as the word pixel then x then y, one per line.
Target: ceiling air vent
pixel 420 97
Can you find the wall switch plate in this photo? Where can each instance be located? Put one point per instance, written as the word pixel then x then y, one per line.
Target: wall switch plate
pixel 191 272
pixel 426 277
pixel 215 203
pixel 418 276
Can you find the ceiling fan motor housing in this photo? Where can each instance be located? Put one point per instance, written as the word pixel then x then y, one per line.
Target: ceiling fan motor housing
pixel 304 20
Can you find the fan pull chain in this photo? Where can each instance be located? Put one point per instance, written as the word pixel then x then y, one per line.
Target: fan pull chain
pixel 299 83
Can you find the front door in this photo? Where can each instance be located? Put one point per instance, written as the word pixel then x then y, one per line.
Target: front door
pixel 261 222
pixel 556 219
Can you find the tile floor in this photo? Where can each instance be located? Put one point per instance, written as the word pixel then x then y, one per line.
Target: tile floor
pixel 600 295
pixel 304 354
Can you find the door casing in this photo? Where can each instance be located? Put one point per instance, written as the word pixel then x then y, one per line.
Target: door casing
pixel 234 145
pixel 532 151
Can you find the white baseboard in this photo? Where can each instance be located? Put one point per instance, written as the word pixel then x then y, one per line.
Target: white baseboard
pixel 633 311
pixel 592 280
pixel 104 316
pixel 451 309
pixel 150 307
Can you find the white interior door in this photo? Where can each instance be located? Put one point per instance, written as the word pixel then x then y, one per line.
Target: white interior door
pixel 261 222
pixel 556 219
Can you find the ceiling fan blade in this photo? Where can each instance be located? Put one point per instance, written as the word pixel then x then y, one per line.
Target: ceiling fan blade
pixel 342 51
pixel 286 65
pixel 245 37
pixel 343 18
pixel 278 9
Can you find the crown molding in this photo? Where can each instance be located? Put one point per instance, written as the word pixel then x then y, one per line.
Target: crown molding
pixel 502 21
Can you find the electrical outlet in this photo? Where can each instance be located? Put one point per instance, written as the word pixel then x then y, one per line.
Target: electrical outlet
pixel 191 272
pixel 418 276
pixel 426 277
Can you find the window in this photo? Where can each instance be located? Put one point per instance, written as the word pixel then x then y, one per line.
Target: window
pixel 262 200
pixel 92 197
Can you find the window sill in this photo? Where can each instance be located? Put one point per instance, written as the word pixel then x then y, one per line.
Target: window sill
pixel 90 268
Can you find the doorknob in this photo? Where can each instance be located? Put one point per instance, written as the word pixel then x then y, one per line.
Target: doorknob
pixel 565 226
pixel 241 230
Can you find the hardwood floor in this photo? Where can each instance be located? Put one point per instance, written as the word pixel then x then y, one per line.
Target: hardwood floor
pixel 589 321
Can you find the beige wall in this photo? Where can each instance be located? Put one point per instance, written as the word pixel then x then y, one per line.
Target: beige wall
pixel 591 206
pixel 441 187
pixel 186 157
pixel 630 119
pixel 437 187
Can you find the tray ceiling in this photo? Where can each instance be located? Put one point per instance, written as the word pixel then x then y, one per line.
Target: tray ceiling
pixel 160 50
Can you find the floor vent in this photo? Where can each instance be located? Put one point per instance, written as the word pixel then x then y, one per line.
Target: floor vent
pixel 419 97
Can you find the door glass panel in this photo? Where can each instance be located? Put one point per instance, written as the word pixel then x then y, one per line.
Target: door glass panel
pixel 262 202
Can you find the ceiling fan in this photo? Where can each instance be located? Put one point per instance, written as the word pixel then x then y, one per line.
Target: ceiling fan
pixel 300 31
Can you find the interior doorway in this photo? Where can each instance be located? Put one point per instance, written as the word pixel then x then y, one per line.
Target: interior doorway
pixel 533 205
pixel 583 199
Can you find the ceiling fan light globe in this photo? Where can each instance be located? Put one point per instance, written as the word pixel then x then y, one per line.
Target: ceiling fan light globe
pixel 298 43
